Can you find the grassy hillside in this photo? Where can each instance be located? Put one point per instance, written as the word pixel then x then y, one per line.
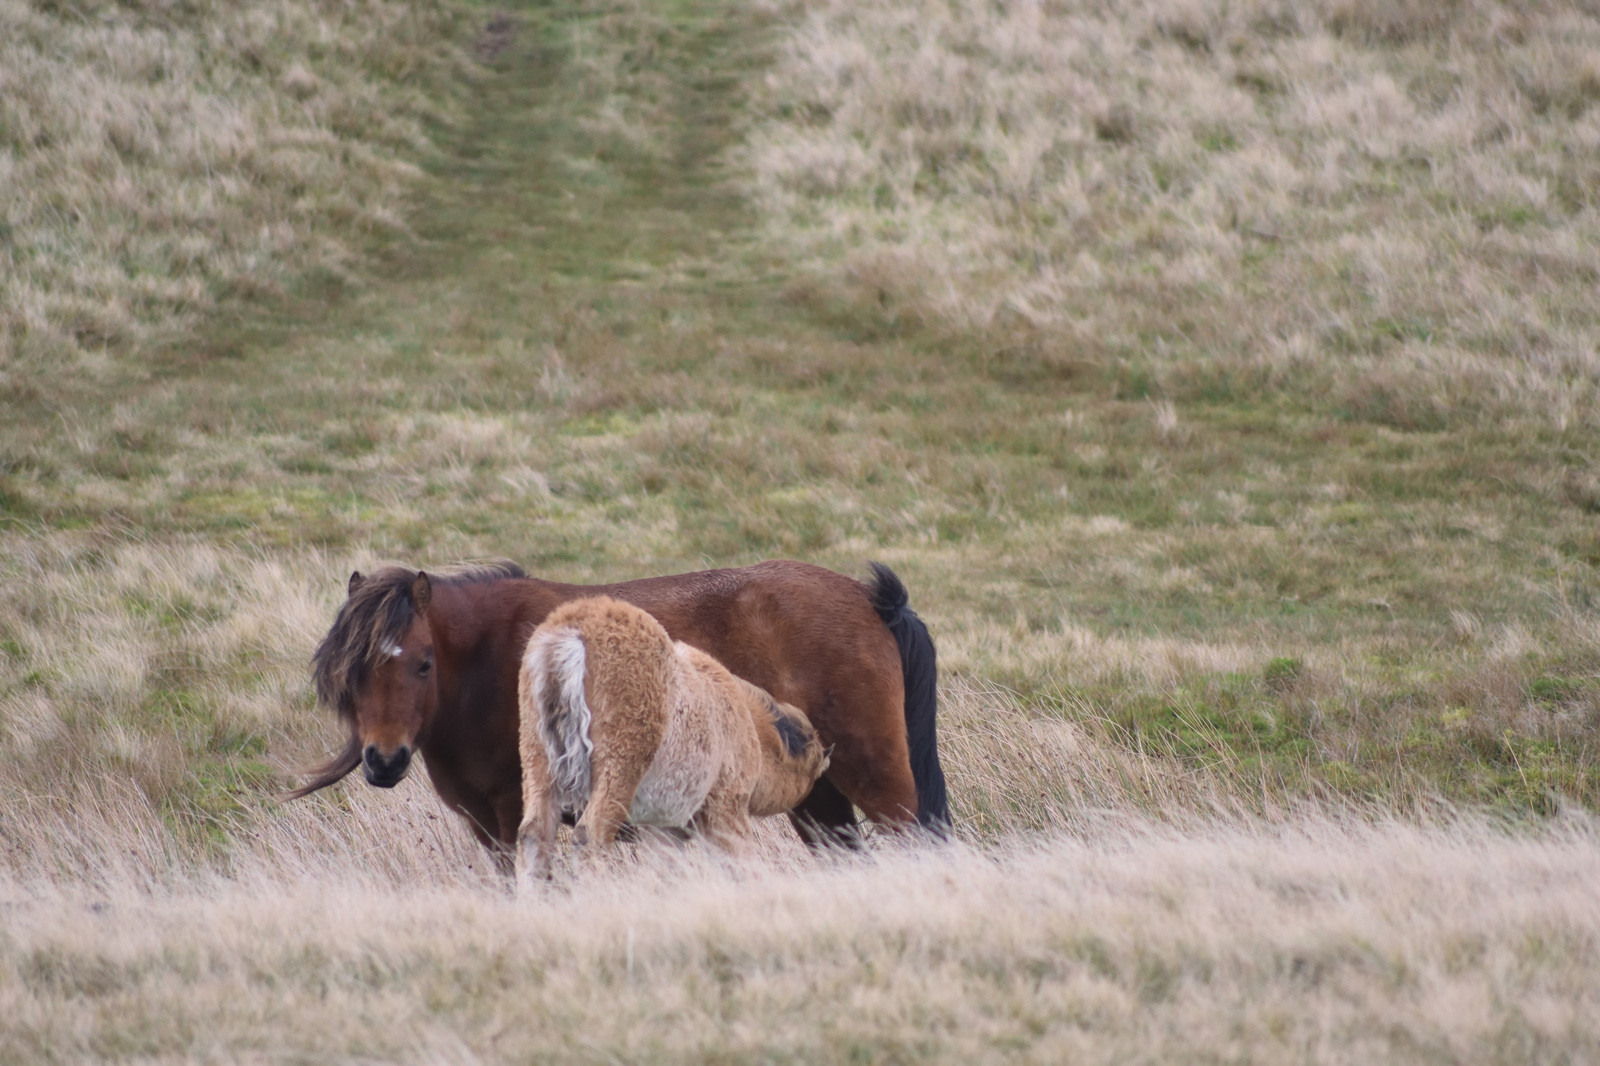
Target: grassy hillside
pixel 622 341
pixel 1219 378
pixel 1374 212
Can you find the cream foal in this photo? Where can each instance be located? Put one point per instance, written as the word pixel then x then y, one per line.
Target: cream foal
pixel 619 723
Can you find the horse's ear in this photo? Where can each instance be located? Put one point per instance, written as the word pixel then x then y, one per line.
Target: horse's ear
pixel 355 582
pixel 421 591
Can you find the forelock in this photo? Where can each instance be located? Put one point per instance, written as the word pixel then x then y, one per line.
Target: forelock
pixel 368 626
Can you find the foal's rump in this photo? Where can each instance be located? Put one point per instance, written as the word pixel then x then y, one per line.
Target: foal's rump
pixel 596 672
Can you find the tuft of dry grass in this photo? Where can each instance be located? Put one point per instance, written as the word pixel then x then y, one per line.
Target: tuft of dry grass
pixel 174 674
pixel 157 159
pixel 1373 206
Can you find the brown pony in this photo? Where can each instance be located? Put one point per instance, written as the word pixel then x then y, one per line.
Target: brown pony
pixel 418 662
pixel 620 723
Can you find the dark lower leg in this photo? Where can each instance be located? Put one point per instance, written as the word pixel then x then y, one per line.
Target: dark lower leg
pixel 825 817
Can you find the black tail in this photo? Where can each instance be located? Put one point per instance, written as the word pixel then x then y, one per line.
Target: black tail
pixel 920 663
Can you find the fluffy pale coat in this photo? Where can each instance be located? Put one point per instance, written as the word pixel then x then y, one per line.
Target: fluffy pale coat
pixel 621 723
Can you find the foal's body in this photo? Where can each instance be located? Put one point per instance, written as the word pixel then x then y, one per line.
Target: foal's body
pixel 621 723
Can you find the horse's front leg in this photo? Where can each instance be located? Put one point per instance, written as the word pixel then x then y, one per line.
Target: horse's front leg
pixel 508 808
pixel 483 820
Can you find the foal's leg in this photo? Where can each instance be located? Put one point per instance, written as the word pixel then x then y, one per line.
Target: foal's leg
pixel 536 837
pixel 725 820
pixel 628 696
pixel 614 778
pixel 626 740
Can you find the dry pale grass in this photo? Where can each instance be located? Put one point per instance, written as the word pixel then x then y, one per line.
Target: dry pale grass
pixel 156 158
pixel 368 938
pixel 124 666
pixel 1387 205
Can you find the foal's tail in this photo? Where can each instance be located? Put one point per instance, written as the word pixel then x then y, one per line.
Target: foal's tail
pixel 919 662
pixel 555 714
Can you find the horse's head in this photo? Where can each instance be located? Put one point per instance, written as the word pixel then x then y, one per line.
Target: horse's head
pixel 376 668
pixel 394 699
pixel 792 757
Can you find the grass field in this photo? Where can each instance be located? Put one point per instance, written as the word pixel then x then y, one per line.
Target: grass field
pixel 1220 378
pixel 1322 943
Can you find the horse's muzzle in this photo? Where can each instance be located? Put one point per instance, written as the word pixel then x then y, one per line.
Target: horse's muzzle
pixel 385 771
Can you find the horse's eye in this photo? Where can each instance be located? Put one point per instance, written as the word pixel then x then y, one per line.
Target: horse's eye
pixel 427 664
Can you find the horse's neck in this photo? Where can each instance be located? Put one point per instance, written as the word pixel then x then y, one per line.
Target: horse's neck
pixel 455 623
pixel 464 633
pixel 477 623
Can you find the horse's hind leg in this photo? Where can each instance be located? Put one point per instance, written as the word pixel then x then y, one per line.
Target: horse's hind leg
pixel 627 686
pixel 624 746
pixel 615 778
pixel 536 842
pixel 871 761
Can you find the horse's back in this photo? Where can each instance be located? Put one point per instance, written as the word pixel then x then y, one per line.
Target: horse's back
pixel 798 631
pixel 759 621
